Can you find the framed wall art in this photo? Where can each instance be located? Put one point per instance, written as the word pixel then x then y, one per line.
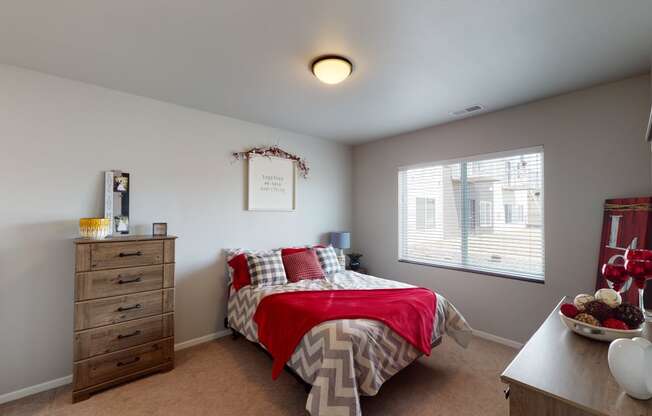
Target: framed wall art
pixel 272 184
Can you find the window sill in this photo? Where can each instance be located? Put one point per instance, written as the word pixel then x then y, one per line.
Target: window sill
pixel 476 271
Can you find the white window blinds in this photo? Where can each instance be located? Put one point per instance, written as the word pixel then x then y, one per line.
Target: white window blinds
pixel 481 214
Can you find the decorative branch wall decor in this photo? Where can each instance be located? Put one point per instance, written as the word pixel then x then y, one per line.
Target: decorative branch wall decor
pixel 274 151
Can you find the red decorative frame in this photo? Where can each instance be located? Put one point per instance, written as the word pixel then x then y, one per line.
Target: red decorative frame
pixel 627 224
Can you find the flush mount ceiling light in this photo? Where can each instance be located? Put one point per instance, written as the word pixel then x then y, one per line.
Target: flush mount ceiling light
pixel 332 69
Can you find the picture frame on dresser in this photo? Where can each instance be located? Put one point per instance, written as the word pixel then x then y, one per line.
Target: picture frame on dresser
pixel 117 187
pixel 160 229
pixel 123 312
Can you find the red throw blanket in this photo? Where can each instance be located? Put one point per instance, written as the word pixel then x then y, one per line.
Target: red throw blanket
pixel 284 318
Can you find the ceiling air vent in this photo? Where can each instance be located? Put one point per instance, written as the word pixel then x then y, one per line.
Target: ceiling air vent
pixel 467 110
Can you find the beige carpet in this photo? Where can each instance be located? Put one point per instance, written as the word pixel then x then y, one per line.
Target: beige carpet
pixel 227 377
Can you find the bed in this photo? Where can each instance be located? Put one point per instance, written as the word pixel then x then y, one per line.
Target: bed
pixel 343 359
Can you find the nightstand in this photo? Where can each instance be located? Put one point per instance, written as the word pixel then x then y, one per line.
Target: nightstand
pixel 362 270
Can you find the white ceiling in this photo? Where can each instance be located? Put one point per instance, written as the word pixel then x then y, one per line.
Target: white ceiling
pixel 415 61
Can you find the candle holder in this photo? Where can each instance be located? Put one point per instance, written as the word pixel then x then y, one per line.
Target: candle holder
pixel 94 228
pixel 638 265
pixel 617 277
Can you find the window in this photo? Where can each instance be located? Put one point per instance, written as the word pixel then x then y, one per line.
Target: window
pixel 485 219
pixel 482 214
pixel 514 214
pixel 425 213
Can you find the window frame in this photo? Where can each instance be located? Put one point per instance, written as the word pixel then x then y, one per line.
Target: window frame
pixel 402 222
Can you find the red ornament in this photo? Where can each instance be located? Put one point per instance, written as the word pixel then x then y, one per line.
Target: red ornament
pixel 639 282
pixel 568 309
pixel 640 270
pixel 615 324
pixel 638 254
pixel 636 268
pixel 615 272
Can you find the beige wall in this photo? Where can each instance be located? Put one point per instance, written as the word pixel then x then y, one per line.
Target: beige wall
pixel 594 149
pixel 58 136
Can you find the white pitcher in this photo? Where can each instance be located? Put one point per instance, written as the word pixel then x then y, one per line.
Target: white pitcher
pixel 630 362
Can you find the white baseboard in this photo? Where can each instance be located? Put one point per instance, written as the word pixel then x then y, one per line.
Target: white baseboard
pixel 37 388
pixel 497 339
pixel 196 341
pixel 52 384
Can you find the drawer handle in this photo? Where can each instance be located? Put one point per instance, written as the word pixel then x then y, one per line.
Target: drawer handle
pixel 123 363
pixel 138 253
pixel 134 279
pixel 128 308
pixel 133 334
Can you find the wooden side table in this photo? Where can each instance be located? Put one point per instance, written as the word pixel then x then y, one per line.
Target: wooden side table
pixel 362 270
pixel 561 373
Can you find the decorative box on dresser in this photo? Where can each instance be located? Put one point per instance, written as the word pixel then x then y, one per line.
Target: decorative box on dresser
pixel 124 311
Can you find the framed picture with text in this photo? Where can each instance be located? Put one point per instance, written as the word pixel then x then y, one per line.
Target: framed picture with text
pixel 272 184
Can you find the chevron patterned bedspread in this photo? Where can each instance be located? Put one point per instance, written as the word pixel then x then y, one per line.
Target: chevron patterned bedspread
pixel 365 353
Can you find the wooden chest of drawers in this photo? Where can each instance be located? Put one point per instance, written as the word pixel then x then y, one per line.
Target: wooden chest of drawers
pixel 124 311
pixel 559 373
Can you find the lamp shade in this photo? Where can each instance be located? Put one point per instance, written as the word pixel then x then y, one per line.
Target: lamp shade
pixel 341 239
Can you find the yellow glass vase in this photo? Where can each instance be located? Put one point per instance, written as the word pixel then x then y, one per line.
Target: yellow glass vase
pixel 95 228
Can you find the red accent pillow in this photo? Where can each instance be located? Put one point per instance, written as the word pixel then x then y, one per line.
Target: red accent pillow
pixel 292 250
pixel 240 268
pixel 302 265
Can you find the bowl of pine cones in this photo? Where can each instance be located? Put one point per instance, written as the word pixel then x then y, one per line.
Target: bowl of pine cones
pixel 602 316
